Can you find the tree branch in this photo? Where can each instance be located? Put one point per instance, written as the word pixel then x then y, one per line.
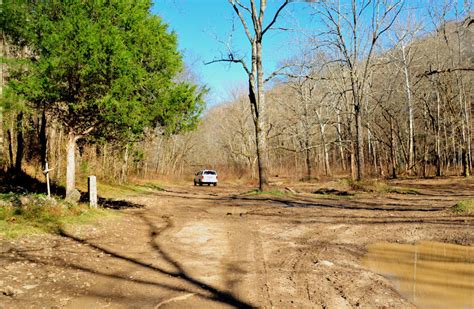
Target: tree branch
pixel 242 6
pixel 275 73
pixel 242 19
pixel 449 70
pixel 275 16
pixel 231 59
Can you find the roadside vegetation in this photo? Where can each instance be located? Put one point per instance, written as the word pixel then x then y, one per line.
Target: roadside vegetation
pixel 109 190
pixel 269 192
pixel 27 214
pixel 465 207
pixel 379 186
pixel 89 74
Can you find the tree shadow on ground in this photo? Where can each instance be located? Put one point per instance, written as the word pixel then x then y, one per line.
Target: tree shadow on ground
pixel 21 182
pixel 110 203
pixel 185 283
pixel 382 210
pixel 334 203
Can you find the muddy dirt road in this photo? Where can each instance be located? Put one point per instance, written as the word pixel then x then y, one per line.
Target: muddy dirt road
pixel 206 247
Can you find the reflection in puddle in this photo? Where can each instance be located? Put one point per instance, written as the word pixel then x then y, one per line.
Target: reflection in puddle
pixel 429 274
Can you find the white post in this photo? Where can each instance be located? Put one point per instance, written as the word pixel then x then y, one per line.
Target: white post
pixel 92 187
pixel 46 172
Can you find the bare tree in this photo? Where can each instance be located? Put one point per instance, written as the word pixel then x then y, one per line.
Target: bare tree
pixel 404 57
pixel 454 59
pixel 236 137
pixel 353 30
pixel 255 30
pixel 301 107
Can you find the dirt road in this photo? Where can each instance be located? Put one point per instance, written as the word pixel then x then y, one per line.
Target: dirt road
pixel 206 247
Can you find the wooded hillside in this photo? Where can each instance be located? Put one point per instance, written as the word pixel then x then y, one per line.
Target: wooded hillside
pixel 416 114
pixel 404 107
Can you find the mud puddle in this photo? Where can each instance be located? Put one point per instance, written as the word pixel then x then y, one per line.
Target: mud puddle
pixel 429 274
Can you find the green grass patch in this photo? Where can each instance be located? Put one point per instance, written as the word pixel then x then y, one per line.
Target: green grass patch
pixel 153 186
pixel 6 196
pixel 117 190
pixel 272 192
pixel 464 207
pixel 333 196
pixel 376 186
pixel 22 215
pixel 401 190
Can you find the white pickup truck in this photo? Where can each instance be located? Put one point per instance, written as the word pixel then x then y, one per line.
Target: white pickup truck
pixel 208 177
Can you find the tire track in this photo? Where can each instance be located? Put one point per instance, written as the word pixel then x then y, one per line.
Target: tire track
pixel 259 255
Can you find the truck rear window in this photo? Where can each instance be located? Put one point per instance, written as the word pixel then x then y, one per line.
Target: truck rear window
pixel 209 173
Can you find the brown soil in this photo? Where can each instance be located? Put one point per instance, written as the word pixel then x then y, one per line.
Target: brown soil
pixel 212 247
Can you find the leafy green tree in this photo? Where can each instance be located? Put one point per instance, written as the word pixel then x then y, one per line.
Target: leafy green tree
pixel 103 69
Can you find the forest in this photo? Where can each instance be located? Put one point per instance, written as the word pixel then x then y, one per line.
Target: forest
pixel 393 97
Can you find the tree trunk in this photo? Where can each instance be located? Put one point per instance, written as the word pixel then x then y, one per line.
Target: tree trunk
pixel 19 142
pixel 261 125
pixel 339 137
pixel 438 134
pixel 392 151
pixel 381 167
pixel 465 163
pixel 456 151
pixel 58 156
pixel 374 158
pixel 411 130
pixel 425 159
pixel 327 168
pixel 309 163
pixel 261 155
pixel 43 140
pixel 105 164
pixel 469 133
pixel 71 164
pixel 3 54
pixel 465 143
pixel 10 148
pixel 123 174
pixel 369 146
pixel 353 162
pixel 359 143
pixel 426 127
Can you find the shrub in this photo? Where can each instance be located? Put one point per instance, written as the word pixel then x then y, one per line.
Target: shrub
pixel 464 207
pixel 32 214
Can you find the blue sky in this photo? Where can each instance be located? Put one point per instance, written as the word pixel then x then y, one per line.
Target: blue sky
pixel 203 26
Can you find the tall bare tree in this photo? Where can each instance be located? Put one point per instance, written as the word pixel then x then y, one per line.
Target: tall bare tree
pixel 404 57
pixel 353 30
pixel 252 18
